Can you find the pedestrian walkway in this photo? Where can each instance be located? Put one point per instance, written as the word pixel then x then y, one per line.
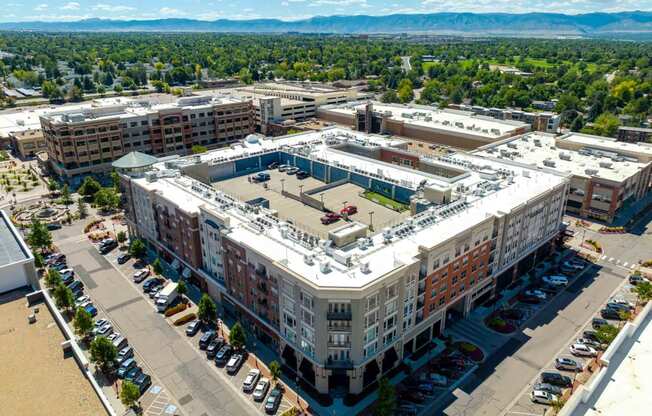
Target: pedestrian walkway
pixel 475 331
pixel 618 262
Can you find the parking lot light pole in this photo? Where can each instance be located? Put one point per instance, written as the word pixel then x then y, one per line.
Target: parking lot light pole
pixel 322 198
pixel 282 185
pixel 371 220
pixel 300 190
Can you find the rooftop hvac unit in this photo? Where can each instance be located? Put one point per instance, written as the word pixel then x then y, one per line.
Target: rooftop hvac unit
pixel 565 156
pixel 308 259
pixel 549 163
pixel 512 145
pixel 364 267
pixel 537 142
pixel 606 165
pixel 325 266
pixel 591 171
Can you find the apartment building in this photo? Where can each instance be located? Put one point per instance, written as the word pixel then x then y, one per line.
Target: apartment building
pixel 545 121
pixel 316 93
pixel 605 174
pixel 342 311
pixel 460 129
pixel 634 134
pixel 87 140
pixel 27 143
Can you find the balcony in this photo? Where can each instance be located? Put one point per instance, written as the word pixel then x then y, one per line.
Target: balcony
pixel 339 316
pixel 339 344
pixel 339 328
pixel 345 364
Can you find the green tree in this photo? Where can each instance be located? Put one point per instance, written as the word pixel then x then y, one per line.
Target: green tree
pixel 237 336
pixel 643 291
pixel 103 353
pixel 182 289
pixel 89 187
pixel 75 94
pixel 137 248
pixel 52 278
pixel 206 309
pixel 63 297
pixel 39 261
pixel 606 334
pixel 107 199
pixel 83 323
pixel 39 237
pixel 66 199
pixel 390 96
pixel 53 186
pixel 129 394
pixel 275 370
pixel 198 149
pixel 405 91
pixel 82 208
pixel 578 123
pixel 121 236
pixel 157 266
pixel 386 405
pixel 115 181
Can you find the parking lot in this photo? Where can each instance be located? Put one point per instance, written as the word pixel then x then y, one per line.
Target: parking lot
pixel 305 216
pixel 182 381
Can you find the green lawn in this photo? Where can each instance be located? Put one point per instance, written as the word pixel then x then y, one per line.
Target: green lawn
pixel 385 201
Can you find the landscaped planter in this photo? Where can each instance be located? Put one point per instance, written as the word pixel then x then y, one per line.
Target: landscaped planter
pixel 470 351
pixel 499 324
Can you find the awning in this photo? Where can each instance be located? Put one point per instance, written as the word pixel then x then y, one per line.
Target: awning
pixel 186 273
pixel 175 264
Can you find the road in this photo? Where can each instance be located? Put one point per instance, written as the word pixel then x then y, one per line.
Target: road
pixel 183 372
pixel 500 381
pixel 405 63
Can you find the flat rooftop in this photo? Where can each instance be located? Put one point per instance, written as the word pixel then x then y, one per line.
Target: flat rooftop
pixel 608 144
pixel 454 121
pixel 36 377
pixel 541 150
pixel 12 247
pixel 485 189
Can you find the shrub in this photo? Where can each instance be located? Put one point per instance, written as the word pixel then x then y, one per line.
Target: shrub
pixel 175 309
pixel 90 225
pixel 185 319
pixel 467 347
pixel 290 412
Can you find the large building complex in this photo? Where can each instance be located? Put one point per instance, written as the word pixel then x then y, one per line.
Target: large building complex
pixel 605 174
pixel 344 303
pixel 449 127
pixel 87 140
pixel 27 143
pixel 539 121
pixel 16 259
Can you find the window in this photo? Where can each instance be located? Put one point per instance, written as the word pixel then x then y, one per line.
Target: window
pixel 392 292
pixel 372 302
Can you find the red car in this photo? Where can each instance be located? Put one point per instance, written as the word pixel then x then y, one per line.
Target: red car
pixel 349 210
pixel 330 218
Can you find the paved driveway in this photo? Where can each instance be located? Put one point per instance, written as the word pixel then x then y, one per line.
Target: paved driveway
pixel 182 372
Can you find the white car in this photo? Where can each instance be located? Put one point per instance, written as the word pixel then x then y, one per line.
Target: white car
pixel 250 380
pixel 582 350
pixel 80 300
pixel 101 322
pixel 140 275
pixel 113 336
pixel 536 293
pixel 542 397
pixel 103 330
pixel 555 280
pixel 261 389
pixel 573 265
pixel 438 380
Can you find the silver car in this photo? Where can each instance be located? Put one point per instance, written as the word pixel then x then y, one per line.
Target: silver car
pixel 261 389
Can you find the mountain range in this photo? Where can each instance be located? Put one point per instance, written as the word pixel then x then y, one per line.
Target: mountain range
pixel 497 24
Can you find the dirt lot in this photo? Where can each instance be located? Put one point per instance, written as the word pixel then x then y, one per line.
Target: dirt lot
pixel 36 378
pixel 305 216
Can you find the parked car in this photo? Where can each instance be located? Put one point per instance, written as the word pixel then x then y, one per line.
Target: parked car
pixel 141 275
pixel 133 374
pixel 153 291
pixel 272 165
pixel 573 265
pixel 349 210
pixel 260 177
pixel 292 171
pixel 412 396
pixel 91 309
pixel 55 258
pixel 582 350
pixel 75 284
pixel 143 381
pixel 407 409
pixel 250 380
pixel 127 365
pixel 103 330
pixel 302 174
pixel 426 388
pixel 214 347
pixel 59 266
pixel 330 218
pixel 206 339
pixel 591 335
pixel 283 167
pixel 124 354
pixel 568 364
pixel 150 283
pixel 556 379
pixel 609 313
pixel 557 391
pixel 589 342
pixel 223 355
pixel 635 279
pixel 234 364
pixel 557 280
pixel 619 305
pixel 273 400
pixel 81 300
pixel 107 245
pixel 193 328
pixel 528 299
pixel 438 380
pixel 542 397
pixel 598 322
pixel 261 389
pixel 123 258
pixel 535 293
pixel 120 342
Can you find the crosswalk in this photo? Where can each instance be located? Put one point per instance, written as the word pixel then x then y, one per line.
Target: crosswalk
pixel 618 262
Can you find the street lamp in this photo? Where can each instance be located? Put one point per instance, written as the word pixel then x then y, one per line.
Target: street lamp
pixel 300 189
pixel 322 198
pixel 371 220
pixel 282 185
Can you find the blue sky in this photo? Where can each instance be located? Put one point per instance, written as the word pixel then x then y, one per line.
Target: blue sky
pixel 20 10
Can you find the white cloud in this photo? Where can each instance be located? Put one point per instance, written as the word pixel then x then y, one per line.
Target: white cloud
pixel 41 7
pixel 169 11
pixel 73 5
pixel 112 8
pixel 340 3
pixel 57 17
